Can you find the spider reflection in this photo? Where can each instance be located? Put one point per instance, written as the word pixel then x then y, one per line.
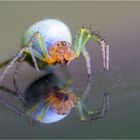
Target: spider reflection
pixel 50 99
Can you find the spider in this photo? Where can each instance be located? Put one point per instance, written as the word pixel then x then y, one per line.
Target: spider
pixel 49 42
pixel 50 99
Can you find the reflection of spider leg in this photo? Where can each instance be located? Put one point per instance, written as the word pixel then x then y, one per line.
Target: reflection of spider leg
pixel 85 114
pixel 18 92
pixel 7 90
pixel 5 103
pixel 11 108
pixel 34 122
pixel 81 109
pixel 86 92
pixel 105 108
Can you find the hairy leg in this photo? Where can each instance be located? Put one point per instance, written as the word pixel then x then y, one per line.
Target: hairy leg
pixel 81 39
pixel 12 62
pixel 34 59
pixel 25 50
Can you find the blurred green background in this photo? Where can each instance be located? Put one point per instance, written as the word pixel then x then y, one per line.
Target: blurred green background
pixel 119 22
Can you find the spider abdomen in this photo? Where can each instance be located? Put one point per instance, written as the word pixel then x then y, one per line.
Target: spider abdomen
pixel 51 32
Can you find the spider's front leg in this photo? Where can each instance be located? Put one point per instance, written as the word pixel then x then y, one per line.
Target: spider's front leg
pixel 81 39
pixel 86 115
pixel 34 54
pixel 27 49
pixel 32 48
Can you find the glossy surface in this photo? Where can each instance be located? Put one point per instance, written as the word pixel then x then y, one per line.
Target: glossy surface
pixel 119 22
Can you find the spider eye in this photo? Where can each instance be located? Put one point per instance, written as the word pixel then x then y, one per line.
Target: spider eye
pixel 65 98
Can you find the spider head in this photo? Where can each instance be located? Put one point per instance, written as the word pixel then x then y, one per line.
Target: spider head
pixel 65 52
pixel 61 52
pixel 69 54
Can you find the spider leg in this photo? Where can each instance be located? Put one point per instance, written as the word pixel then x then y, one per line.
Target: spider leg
pixel 12 62
pixel 34 59
pixel 105 54
pixel 37 36
pixel 88 64
pixel 81 39
pixel 107 57
pixel 33 52
pixel 27 50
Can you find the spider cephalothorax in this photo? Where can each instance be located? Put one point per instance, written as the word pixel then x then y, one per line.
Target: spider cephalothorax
pixel 60 52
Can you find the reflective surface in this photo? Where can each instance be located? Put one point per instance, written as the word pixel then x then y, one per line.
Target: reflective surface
pixel 119 22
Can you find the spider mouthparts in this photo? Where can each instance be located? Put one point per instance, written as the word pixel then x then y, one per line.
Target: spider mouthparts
pixel 64 62
pixel 68 63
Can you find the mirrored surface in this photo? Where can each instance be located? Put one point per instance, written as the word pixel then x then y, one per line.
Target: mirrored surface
pixel 119 23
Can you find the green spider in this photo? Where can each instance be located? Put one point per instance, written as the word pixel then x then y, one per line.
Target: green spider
pixel 49 42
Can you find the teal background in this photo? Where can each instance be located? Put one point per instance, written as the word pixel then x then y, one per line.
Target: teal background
pixel 119 22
